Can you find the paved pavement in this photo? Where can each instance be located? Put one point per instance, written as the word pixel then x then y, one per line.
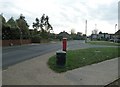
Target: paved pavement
pixel 97 74
pixel 36 72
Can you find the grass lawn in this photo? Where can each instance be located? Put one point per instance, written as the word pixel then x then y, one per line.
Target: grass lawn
pixel 83 57
pixel 104 43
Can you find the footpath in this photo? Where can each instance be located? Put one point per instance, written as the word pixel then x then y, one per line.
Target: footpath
pixel 36 72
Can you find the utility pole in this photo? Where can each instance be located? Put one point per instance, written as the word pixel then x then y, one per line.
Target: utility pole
pixel 20 36
pixel 86 31
pixel 115 32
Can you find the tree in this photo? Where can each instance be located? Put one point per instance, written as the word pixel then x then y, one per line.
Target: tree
pixel 5 29
pixel 44 26
pixel 23 26
pixel 14 30
pixel 12 23
pixel 37 24
pixel 3 19
pixel 100 32
pixel 95 31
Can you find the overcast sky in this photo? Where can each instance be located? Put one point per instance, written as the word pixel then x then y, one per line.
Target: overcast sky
pixel 66 14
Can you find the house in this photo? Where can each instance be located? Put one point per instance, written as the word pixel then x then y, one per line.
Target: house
pixel 117 36
pixel 107 36
pixel 79 33
pixel 112 36
pixel 101 36
pixel 104 36
pixel 63 35
pixel 94 36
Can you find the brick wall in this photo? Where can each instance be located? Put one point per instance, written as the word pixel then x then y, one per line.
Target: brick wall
pixel 15 42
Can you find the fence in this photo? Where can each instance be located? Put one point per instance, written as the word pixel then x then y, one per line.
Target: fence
pixel 15 42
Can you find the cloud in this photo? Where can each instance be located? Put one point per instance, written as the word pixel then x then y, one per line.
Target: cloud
pixel 65 14
pixel 106 12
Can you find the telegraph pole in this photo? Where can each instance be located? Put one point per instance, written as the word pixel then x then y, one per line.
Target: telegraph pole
pixel 86 31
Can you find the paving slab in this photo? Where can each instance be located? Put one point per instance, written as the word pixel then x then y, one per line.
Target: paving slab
pixel 96 74
pixel 36 72
pixel 33 72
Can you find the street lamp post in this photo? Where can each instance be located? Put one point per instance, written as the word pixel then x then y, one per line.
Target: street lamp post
pixel 20 36
pixel 86 31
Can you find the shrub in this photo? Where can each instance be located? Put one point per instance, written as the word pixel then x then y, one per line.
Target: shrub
pixel 36 39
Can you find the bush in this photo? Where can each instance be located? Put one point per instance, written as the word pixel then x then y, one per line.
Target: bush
pixel 36 39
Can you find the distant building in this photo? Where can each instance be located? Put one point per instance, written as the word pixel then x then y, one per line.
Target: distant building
pixel 79 33
pixel 101 36
pixel 112 36
pixel 94 36
pixel 63 35
pixel 117 34
pixel 105 36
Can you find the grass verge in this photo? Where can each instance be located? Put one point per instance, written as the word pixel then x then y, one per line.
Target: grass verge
pixel 83 57
pixel 104 43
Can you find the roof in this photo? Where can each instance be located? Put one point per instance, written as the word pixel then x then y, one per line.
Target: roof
pixel 118 32
pixel 64 34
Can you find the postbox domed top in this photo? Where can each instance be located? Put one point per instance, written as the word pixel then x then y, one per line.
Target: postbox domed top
pixel 64 38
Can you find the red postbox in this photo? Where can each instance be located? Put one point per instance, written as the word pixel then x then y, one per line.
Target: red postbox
pixel 64 44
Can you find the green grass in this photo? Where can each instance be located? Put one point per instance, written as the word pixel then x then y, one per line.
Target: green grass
pixel 83 57
pixel 104 43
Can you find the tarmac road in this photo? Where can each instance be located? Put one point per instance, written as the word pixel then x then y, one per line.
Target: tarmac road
pixel 15 54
